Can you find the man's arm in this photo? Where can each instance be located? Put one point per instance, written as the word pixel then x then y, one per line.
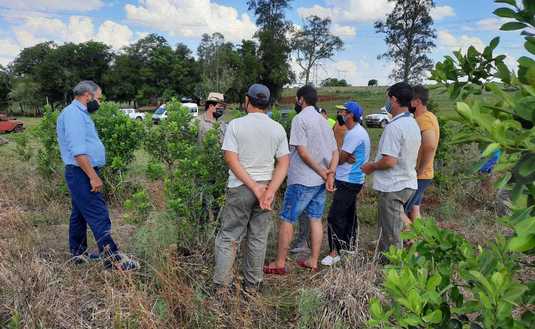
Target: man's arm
pixel 85 164
pixel 385 163
pixel 281 170
pixel 329 182
pixel 307 159
pixel 427 150
pixel 346 158
pixel 232 160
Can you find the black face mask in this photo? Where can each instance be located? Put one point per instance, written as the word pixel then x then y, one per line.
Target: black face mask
pixel 298 107
pixel 412 109
pixel 92 106
pixel 218 113
pixel 340 120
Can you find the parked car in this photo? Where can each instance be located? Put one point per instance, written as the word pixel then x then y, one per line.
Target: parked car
pixel 8 124
pixel 378 120
pixel 133 114
pixel 161 113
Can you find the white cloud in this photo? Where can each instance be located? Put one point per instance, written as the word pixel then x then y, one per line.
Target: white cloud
pixel 114 34
pixel 440 12
pixel 450 42
pixel 52 5
pixel 8 50
pixel 343 31
pixel 191 18
pixel 350 10
pixel 490 24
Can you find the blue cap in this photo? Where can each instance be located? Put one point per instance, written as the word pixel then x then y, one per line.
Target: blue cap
pixel 352 107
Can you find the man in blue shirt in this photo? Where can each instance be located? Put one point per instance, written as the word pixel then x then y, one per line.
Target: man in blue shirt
pixel 354 152
pixel 83 154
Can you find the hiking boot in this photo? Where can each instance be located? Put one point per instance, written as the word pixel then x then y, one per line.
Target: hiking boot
pixel 122 262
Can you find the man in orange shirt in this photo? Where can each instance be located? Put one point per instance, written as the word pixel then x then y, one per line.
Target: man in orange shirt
pixel 430 131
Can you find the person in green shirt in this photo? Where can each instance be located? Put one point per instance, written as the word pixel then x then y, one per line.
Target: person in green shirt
pixel 330 121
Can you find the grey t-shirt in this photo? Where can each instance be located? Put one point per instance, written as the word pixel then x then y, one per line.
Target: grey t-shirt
pixel 257 140
pixel 310 129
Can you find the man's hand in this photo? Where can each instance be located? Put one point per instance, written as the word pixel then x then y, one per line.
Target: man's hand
pixel 267 199
pixel 259 190
pixel 324 173
pixel 329 184
pixel 96 184
pixel 368 168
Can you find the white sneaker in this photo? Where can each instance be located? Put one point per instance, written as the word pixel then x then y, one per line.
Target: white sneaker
pixel 330 260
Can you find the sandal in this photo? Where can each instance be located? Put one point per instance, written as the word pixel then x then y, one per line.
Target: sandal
pixel 303 264
pixel 275 270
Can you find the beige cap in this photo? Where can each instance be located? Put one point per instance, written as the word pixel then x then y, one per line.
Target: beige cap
pixel 216 97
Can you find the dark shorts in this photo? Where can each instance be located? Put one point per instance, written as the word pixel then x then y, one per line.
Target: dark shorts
pixel 417 197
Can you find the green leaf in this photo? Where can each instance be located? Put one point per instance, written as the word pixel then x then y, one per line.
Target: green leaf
pixel 502 182
pixel 494 43
pixel 530 46
pixel 505 12
pixel 464 110
pixel 518 188
pixel 376 308
pixel 527 165
pixel 525 227
pixel 511 26
pixel 522 243
pixel 510 2
pixel 433 317
pixel 514 293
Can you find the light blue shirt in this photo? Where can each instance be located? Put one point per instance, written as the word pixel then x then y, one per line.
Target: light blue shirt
pixel 357 143
pixel 77 135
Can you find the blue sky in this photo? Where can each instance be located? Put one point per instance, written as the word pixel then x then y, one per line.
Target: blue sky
pixel 459 23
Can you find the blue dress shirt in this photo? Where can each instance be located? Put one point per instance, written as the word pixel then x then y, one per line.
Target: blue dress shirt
pixel 77 135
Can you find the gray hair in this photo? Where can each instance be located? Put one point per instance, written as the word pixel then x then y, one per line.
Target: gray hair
pixel 85 86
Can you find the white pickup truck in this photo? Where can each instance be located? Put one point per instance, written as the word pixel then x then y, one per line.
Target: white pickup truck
pixel 133 114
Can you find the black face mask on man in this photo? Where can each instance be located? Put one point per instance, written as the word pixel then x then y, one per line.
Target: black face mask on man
pixel 340 119
pixel 92 106
pixel 218 112
pixel 298 107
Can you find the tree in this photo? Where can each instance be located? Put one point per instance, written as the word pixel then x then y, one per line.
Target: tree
pixel 409 36
pixel 4 87
pixel 333 82
pixel 25 95
pixel 373 82
pixel 274 50
pixel 314 43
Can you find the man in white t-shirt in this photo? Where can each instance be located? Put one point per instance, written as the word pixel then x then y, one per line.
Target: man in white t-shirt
pixel 354 153
pixel 251 145
pixel 394 169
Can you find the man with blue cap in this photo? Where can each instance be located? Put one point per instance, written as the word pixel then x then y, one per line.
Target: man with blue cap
pixel 349 179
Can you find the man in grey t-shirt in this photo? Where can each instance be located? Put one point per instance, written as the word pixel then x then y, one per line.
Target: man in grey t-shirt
pixel 313 161
pixel 251 145
pixel 394 169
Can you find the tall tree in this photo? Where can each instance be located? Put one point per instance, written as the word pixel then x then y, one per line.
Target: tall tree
pixel 314 43
pixel 4 87
pixel 274 50
pixel 409 35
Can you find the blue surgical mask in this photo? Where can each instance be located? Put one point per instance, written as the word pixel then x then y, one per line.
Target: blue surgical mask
pixel 388 106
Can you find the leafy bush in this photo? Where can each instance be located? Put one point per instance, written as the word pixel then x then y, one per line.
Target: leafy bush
pixel 48 157
pixel 478 288
pixel 138 207
pixel 121 137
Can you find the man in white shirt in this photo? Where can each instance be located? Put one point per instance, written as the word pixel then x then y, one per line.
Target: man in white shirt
pixel 394 168
pixel 251 145
pixel 355 152
pixel 313 161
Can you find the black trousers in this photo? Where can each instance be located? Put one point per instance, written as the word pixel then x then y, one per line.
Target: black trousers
pixel 342 219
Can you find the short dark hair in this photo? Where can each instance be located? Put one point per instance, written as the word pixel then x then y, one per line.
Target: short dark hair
pixel 309 94
pixel 421 93
pixel 403 92
pixel 208 103
pixel 258 102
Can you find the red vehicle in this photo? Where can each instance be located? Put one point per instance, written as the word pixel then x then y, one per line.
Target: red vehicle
pixel 8 125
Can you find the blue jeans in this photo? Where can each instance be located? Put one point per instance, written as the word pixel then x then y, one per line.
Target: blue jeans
pixel 300 198
pixel 88 208
pixel 418 196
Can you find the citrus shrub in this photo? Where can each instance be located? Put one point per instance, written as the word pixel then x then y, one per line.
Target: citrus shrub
pixel 442 281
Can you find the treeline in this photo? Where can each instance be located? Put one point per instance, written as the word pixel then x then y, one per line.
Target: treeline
pixel 151 71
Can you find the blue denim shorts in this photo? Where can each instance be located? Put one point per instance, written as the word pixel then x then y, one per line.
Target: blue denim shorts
pixel 299 198
pixel 418 196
